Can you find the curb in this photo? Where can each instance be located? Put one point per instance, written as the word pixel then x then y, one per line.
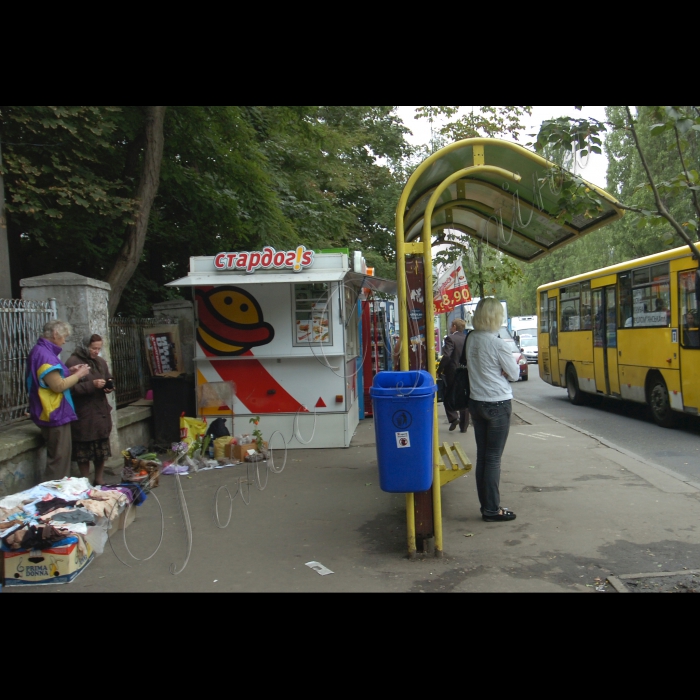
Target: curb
pixel 612 445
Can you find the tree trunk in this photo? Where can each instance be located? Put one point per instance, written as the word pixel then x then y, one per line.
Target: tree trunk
pixel 130 253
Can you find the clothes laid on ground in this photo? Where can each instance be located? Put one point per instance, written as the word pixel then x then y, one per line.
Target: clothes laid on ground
pixel 35 537
pixel 70 487
pixel 138 495
pixel 40 517
pixel 58 517
pixel 73 515
pixel 43 507
pixel 104 504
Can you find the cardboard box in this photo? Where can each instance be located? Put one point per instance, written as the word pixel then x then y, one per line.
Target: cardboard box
pixel 36 567
pixel 238 452
pixel 122 522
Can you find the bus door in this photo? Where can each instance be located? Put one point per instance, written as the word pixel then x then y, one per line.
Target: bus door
pixel 554 342
pixel 607 379
pixel 689 328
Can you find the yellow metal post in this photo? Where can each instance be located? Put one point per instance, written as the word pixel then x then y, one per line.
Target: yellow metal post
pixel 430 321
pixel 411 524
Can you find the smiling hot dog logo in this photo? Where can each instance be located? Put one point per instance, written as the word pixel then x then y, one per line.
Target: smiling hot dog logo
pixel 230 321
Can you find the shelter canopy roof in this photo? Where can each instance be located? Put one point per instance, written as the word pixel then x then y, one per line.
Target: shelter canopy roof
pixel 510 205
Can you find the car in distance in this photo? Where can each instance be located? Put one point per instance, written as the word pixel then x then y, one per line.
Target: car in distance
pixel 505 335
pixel 528 347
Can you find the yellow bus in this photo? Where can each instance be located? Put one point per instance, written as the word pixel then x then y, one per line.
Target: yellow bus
pixel 628 331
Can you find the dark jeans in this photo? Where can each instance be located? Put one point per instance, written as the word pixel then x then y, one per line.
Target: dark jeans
pixel 491 421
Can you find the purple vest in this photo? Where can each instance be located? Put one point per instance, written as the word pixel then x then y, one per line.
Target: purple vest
pixel 47 408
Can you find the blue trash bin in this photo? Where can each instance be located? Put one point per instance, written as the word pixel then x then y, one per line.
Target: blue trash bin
pixel 403 425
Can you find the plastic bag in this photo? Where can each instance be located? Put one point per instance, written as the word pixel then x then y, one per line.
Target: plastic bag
pixel 220 446
pixel 176 469
pixel 97 538
pixel 191 429
pixel 218 428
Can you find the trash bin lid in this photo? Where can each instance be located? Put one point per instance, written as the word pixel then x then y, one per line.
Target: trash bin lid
pixel 410 383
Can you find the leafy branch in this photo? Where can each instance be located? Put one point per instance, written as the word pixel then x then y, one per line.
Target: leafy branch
pixel 579 136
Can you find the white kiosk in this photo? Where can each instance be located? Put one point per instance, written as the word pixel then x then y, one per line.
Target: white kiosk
pixel 284 327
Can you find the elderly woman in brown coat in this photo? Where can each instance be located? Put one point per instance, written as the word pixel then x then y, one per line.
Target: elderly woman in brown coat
pixel 91 431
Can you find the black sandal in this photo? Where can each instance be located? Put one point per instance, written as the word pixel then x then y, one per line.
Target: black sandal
pixel 500 517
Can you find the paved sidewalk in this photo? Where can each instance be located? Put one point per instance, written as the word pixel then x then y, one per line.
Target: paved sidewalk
pixel 585 511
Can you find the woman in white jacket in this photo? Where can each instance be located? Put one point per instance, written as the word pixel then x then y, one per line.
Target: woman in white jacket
pixel 491 364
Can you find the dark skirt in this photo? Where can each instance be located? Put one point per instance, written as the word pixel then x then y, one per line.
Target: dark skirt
pixel 93 451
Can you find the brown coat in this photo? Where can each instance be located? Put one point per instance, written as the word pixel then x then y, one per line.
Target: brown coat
pixel 94 419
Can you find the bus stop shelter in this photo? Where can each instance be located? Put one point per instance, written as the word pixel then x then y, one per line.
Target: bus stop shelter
pixel 493 191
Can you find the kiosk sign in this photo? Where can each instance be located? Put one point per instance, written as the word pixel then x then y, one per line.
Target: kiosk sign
pixel 266 259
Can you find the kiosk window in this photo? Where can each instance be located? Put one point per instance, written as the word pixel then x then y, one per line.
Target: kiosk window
pixel 312 314
pixel 689 290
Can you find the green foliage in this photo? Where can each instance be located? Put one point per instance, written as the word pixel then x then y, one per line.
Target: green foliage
pixel 53 158
pixel 487 269
pixel 661 144
pixel 663 134
pixel 231 178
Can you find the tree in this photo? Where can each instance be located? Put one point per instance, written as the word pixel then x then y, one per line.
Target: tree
pixel 85 193
pixel 487 268
pixel 672 181
pixel 641 233
pixel 135 237
pixel 55 174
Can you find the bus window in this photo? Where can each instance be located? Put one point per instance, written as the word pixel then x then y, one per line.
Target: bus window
pixel 570 307
pixel 598 318
pixel 689 289
pixel 586 315
pixel 650 297
pixel 544 313
pixel 553 336
pixel 625 280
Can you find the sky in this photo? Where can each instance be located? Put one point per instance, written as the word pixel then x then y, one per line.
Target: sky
pixel 593 170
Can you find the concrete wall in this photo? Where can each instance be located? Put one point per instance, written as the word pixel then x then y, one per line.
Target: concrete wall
pixel 82 302
pixel 23 455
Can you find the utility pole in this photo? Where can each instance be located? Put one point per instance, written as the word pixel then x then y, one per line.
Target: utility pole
pixel 5 282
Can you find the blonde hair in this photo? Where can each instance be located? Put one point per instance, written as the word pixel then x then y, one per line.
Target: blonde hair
pixel 488 315
pixel 60 328
pixel 459 324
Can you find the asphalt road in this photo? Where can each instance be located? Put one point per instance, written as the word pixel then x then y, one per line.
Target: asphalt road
pixel 623 423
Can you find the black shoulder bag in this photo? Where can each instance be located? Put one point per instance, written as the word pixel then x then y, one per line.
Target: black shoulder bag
pixel 457 393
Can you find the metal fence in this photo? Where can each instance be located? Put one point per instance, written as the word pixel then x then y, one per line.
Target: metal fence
pixel 132 375
pixel 21 324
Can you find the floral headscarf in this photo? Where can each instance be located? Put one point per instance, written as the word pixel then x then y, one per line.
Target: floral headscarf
pixel 82 350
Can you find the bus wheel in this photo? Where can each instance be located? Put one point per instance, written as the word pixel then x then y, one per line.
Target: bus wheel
pixel 572 389
pixel 659 404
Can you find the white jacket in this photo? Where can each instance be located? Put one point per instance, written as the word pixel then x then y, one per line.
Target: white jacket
pixel 487 358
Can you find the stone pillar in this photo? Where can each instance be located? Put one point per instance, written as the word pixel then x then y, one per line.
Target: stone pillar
pixel 183 310
pixel 82 302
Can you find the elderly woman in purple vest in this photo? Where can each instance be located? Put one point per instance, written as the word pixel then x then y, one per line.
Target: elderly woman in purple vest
pixel 50 402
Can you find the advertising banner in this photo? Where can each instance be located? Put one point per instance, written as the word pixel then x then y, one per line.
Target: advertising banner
pixel 451 289
pixel 163 349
